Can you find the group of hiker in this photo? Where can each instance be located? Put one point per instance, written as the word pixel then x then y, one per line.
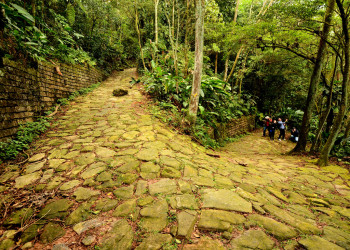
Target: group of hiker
pixel 271 125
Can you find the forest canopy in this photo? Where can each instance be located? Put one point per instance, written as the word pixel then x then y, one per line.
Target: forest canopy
pixel 286 59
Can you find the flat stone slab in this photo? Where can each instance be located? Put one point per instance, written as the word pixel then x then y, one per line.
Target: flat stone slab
pixel 17 217
pixel 106 204
pixel 169 172
pixel 203 181
pixel 129 167
pixel 219 220
pixel 253 239
pixel 171 162
pixel 86 225
pixel 70 185
pixel 147 154
pixel 226 200
pixel 92 171
pixel 130 135
pixel 105 152
pixel 37 157
pixel 141 187
pixel 186 222
pixel 316 243
pixel 186 201
pixel 149 170
pixel 155 216
pixel 125 209
pixel 55 163
pixel 56 209
pixel 27 179
pixel 124 192
pixel 120 237
pixel 337 236
pixel 51 232
pixel 155 242
pixel 164 186
pixel 7 176
pixel 278 229
pixel 205 243
pixel 287 217
pixel 35 167
pixel 84 193
pixel 60 247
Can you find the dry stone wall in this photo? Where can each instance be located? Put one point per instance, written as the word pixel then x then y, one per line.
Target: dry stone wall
pixel 234 127
pixel 26 93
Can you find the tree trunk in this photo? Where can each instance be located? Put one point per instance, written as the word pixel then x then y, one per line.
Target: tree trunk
pixel 156 3
pixel 323 161
pixel 177 41
pixel 270 4
pixel 186 48
pixel 34 9
pixel 315 78
pixel 216 63
pixel 172 43
pixel 139 35
pixel 242 75
pixel 173 19
pixel 235 62
pixel 226 67
pixel 262 8
pixel 236 12
pixel 197 74
pixel 326 113
pixel 250 10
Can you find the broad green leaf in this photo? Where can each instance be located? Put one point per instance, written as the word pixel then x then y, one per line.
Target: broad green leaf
pixel 23 12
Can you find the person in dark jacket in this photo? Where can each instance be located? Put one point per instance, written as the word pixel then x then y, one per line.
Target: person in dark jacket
pixel 272 129
pixel 295 135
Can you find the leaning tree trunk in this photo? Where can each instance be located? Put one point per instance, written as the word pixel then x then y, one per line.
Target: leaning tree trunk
pixel 324 116
pixel 156 3
pixel 323 160
pixel 197 74
pixel 315 78
pixel 236 12
pixel 139 36
pixel 216 62
pixel 226 67
pixel 235 63
pixel 186 47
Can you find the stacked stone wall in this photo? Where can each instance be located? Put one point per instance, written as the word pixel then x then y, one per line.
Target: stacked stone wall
pixel 26 93
pixel 234 128
pixel 239 126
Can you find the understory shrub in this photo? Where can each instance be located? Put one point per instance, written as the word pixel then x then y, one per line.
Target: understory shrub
pixel 218 103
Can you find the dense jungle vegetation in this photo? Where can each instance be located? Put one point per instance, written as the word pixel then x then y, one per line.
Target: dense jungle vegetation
pixel 206 61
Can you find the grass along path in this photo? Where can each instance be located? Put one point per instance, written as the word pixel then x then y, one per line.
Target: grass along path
pixel 110 176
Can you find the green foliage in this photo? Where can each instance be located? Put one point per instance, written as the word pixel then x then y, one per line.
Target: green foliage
pixel 39 41
pixel 25 135
pixel 90 32
pixel 218 102
pixel 341 151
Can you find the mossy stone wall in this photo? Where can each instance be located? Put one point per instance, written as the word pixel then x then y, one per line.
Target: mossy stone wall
pixel 26 93
pixel 234 127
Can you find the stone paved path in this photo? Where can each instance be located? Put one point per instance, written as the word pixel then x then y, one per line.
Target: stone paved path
pixel 109 176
